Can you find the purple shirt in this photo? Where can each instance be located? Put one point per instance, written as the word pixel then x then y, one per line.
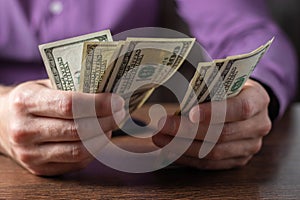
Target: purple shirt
pixel 223 27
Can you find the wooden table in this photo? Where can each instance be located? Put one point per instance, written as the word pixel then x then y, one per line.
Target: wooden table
pixel 273 174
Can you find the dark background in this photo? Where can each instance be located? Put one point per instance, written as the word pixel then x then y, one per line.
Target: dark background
pixel 287 14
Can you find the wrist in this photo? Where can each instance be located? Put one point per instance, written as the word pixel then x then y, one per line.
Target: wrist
pixel 274 105
pixel 4 90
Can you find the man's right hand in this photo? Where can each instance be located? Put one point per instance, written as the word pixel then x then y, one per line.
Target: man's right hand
pixel 38 129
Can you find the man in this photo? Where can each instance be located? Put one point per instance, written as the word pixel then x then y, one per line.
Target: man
pixel 37 129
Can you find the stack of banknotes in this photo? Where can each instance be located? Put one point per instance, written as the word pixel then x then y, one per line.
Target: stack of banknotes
pixel 133 68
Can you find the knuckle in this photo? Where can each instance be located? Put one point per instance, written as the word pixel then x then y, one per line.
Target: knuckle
pixel 18 100
pixel 24 156
pixel 18 134
pixel 72 131
pixel 266 128
pixel 215 154
pixel 78 152
pixel 257 146
pixel 243 162
pixel 253 149
pixel 83 164
pixel 65 105
pixel 265 97
pixel 247 108
pixel 227 129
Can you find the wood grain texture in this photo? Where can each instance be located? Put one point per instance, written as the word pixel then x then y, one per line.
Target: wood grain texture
pixel 272 174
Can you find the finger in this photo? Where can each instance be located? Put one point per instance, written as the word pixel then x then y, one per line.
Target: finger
pixel 72 152
pixel 63 152
pixel 258 126
pixel 213 164
pixel 181 126
pixel 221 151
pixel 55 169
pixel 234 149
pixel 42 101
pixel 251 100
pixel 41 130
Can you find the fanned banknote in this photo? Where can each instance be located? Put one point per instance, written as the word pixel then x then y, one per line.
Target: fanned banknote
pixel 145 63
pixel 63 59
pixel 96 58
pixel 142 64
pixel 222 78
pixel 134 68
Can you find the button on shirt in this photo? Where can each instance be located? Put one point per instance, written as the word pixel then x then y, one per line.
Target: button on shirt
pixel 223 27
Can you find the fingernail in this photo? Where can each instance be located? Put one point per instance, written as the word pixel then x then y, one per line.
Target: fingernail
pixel 196 115
pixel 119 116
pixel 117 103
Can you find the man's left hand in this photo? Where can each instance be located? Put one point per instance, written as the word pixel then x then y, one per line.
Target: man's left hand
pixel 246 123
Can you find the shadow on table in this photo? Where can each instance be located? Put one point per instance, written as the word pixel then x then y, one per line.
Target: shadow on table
pixel 273 162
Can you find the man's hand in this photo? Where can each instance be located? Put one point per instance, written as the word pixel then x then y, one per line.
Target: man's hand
pixel 38 130
pixel 246 123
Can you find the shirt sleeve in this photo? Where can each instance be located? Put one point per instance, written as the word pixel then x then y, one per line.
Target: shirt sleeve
pixel 239 26
pixel 17 37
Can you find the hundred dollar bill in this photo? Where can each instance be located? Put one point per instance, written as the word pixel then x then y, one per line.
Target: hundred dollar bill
pixel 138 99
pixel 234 74
pixel 144 64
pixel 63 59
pixel 203 72
pixel 135 101
pixel 224 78
pixel 96 58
